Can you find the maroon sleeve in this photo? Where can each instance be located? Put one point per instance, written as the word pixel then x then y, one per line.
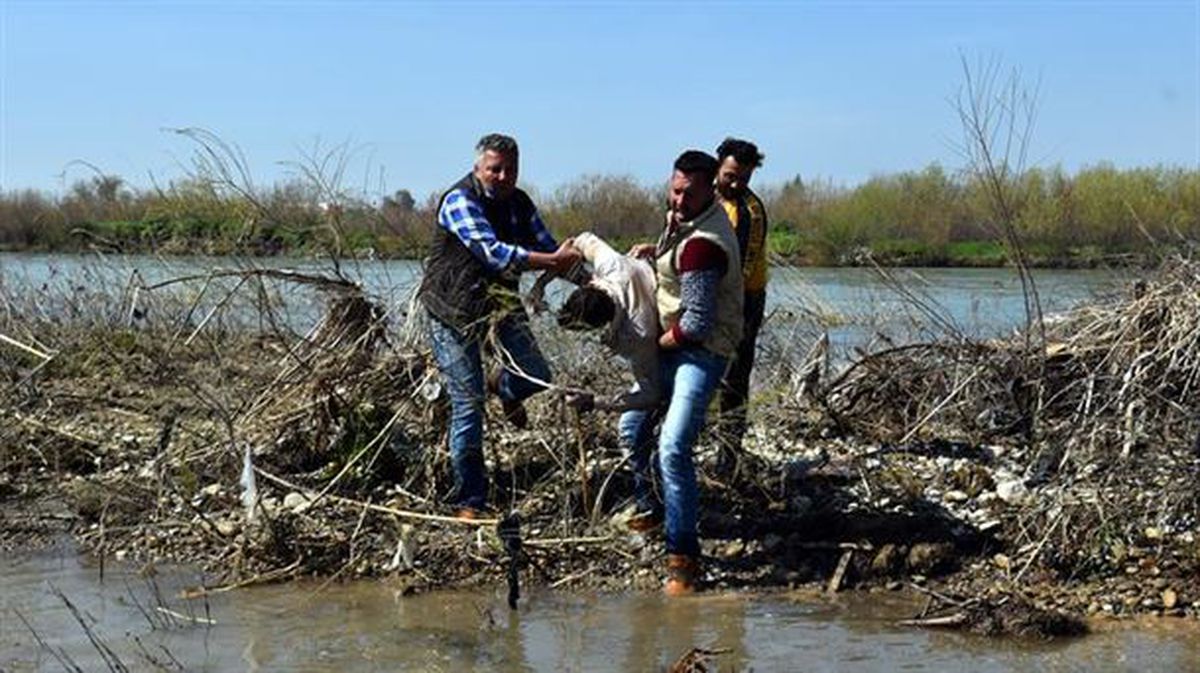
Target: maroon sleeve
pixel 701 254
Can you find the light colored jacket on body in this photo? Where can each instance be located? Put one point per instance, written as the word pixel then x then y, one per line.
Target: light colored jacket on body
pixel 713 225
pixel 633 332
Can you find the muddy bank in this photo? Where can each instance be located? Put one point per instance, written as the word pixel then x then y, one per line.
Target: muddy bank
pixel 1055 472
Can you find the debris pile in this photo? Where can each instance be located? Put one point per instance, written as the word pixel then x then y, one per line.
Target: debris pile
pixel 1075 446
pixel 1059 469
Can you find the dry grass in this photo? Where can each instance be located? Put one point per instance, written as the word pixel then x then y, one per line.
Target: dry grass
pixel 144 405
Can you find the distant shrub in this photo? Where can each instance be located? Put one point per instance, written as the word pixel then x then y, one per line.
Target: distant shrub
pixel 609 206
pixel 927 216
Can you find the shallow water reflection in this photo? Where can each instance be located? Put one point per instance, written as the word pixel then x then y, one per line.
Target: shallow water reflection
pixel 367 626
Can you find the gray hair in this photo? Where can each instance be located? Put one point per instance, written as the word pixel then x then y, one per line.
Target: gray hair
pixel 498 143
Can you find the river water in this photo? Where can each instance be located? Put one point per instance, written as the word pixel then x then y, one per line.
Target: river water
pixel 852 305
pixel 366 626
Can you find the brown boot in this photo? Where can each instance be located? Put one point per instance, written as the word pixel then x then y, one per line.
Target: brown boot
pixel 644 522
pixel 467 513
pixel 682 574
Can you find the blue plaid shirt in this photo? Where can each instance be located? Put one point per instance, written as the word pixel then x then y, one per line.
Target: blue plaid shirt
pixel 464 218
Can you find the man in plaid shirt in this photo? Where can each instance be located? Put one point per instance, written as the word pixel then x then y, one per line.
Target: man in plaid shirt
pixel 488 232
pixel 462 215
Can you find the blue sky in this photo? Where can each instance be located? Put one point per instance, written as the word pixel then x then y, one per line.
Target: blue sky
pixel 837 90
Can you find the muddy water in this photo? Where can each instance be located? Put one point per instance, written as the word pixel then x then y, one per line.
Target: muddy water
pixel 366 626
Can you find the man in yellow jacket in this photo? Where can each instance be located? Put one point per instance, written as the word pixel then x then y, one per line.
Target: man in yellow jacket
pixel 738 159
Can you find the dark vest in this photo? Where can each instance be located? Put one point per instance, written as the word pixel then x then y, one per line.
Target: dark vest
pixel 457 287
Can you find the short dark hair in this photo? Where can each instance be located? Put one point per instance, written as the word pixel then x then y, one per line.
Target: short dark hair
pixel 694 161
pixel 499 143
pixel 743 151
pixel 587 308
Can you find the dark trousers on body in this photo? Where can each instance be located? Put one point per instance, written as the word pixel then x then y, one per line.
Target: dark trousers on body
pixel 735 387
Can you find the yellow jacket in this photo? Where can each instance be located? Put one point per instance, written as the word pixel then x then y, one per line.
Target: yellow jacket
pixel 749 219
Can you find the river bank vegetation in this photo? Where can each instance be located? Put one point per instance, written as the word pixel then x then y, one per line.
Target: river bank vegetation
pixel 930 217
pixel 190 421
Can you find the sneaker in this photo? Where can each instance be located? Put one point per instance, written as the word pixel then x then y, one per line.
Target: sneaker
pixel 682 575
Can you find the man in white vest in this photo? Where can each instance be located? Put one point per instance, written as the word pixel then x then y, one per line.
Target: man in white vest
pixel 699 297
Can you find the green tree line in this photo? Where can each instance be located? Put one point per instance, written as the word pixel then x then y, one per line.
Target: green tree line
pixel 1099 214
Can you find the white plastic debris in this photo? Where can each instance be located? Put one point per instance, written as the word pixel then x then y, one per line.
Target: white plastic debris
pixel 249 485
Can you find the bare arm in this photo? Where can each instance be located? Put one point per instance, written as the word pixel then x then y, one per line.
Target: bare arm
pixel 560 261
pixel 643 251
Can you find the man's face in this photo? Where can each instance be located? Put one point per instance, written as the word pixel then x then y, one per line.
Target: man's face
pixel 689 195
pixel 733 178
pixel 497 173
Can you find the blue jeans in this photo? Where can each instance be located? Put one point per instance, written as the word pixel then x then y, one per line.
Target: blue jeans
pixel 460 361
pixel 690 377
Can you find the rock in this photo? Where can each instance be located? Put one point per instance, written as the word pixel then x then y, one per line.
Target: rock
pixel 886 560
pixel 925 557
pixel 431 389
pixel 733 550
pixel 296 502
pixel 1012 491
pixel 1169 599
